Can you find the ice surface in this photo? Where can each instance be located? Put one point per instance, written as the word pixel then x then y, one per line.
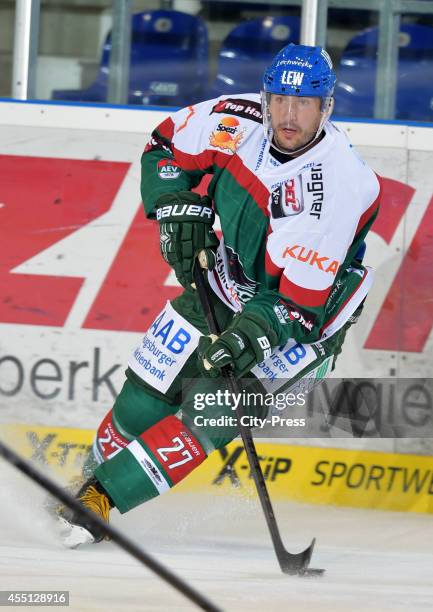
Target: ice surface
pixel 374 560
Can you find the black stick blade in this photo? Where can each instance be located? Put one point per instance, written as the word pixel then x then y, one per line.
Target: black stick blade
pixel 297 564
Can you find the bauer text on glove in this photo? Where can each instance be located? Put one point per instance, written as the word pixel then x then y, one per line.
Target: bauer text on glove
pixel 185 228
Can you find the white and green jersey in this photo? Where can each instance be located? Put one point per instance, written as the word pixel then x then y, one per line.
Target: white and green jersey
pixel 290 230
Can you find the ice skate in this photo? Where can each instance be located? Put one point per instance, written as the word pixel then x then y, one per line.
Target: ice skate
pixel 75 529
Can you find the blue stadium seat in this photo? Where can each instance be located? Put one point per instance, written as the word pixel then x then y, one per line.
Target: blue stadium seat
pixel 247 51
pixel 169 62
pixel 354 93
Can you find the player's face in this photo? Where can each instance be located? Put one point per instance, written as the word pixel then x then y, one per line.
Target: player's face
pixel 295 120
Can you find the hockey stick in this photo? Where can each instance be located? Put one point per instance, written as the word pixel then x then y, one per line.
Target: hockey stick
pixel 290 563
pixel 121 540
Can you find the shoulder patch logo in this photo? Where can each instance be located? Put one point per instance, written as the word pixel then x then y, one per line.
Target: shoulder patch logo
pixel 226 135
pixel 168 169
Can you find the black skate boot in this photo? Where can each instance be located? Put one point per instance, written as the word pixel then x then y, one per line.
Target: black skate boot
pixel 76 530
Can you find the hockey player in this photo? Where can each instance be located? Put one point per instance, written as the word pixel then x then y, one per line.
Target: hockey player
pixel 295 203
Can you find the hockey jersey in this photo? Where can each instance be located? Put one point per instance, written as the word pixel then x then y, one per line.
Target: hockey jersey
pixel 290 231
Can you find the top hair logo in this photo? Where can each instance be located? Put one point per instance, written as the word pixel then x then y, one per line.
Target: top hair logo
pixel 246 109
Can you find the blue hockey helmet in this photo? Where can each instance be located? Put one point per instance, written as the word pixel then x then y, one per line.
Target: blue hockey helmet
pixel 299 70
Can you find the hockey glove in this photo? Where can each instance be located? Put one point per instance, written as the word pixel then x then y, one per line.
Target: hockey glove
pixel 185 228
pixel 247 341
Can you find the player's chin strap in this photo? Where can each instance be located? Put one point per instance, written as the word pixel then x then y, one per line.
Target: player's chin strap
pixel 290 563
